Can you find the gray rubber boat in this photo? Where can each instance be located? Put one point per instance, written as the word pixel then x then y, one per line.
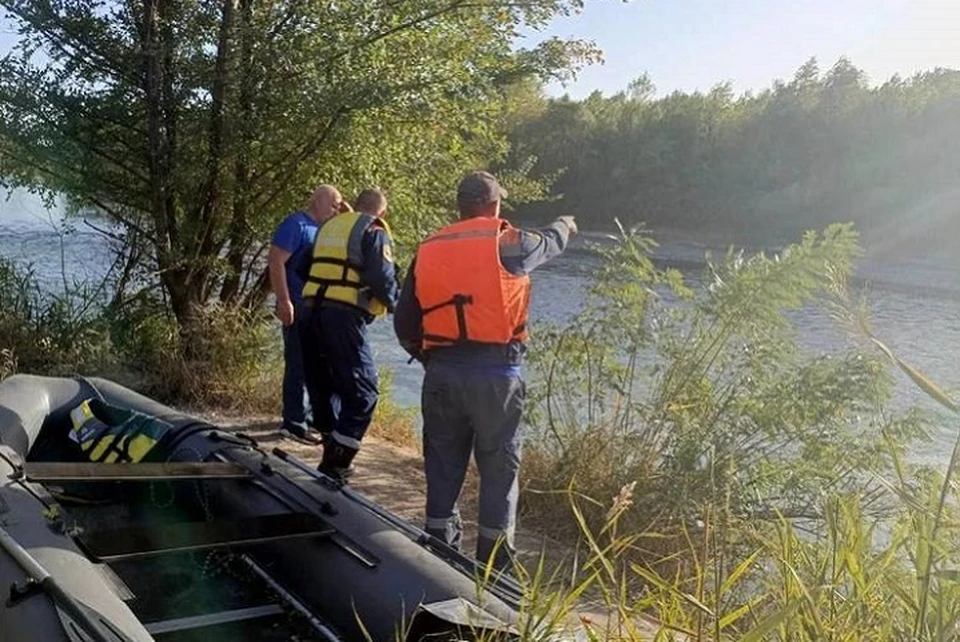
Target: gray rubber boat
pixel 210 537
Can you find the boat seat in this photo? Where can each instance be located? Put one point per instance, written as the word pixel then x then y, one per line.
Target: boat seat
pixel 147 540
pixel 59 471
pixel 211 619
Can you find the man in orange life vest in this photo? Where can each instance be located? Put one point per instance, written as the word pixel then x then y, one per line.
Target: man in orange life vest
pixel 463 313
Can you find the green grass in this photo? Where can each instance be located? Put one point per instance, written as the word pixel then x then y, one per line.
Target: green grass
pixel 723 484
pixel 392 422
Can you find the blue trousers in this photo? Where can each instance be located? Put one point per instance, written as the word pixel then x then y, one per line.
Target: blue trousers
pixel 467 412
pixel 343 377
pixel 316 367
pixel 294 379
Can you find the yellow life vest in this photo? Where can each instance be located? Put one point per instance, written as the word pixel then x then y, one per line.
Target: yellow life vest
pixel 109 434
pixel 337 261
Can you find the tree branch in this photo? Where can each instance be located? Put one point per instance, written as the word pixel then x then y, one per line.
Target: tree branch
pixel 209 201
pixel 305 151
pixel 43 19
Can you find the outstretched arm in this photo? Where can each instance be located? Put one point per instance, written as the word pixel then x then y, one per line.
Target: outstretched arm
pixel 523 251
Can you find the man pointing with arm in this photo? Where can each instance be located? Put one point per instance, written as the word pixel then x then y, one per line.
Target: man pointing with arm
pixel 463 312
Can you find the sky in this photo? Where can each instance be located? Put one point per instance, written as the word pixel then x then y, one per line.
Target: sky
pixel 694 44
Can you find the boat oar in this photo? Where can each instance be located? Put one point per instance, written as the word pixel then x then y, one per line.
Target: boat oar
pixel 504 587
pixel 80 622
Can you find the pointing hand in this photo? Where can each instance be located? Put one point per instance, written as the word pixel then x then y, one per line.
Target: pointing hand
pixel 570 223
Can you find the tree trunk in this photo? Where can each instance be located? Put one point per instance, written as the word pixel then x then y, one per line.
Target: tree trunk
pixel 239 233
pixel 162 205
pixel 207 242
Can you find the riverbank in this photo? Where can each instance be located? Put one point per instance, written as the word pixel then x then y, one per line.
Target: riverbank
pixel 657 482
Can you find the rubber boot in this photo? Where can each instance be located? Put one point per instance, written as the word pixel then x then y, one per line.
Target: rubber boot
pixel 337 459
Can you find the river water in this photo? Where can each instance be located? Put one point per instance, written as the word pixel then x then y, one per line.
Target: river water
pixel 915 302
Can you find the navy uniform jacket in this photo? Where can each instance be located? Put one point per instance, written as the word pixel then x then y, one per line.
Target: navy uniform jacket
pixel 379 271
pixel 531 250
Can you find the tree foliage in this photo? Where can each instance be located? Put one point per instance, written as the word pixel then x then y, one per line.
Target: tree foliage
pixel 195 125
pixel 822 147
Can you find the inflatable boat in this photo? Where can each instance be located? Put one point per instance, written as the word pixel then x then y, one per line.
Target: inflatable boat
pixel 123 520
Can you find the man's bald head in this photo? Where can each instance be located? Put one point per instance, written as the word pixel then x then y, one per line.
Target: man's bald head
pixel 325 202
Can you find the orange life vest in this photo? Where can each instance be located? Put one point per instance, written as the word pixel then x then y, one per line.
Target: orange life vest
pixel 463 289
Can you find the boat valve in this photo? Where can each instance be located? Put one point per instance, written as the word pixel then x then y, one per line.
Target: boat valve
pixel 21 592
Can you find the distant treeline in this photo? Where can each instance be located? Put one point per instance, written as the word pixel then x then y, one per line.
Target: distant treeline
pixel 823 147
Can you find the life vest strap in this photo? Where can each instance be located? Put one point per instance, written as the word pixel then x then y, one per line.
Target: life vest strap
pixel 454 236
pixel 326 283
pixel 346 264
pixel 112 447
pixel 330 259
pixel 120 444
pixel 459 301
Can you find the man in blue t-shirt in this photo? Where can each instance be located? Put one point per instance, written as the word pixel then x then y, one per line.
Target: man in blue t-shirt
pixel 293 244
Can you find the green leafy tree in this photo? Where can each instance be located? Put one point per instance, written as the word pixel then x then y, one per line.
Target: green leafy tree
pixel 196 125
pixel 824 146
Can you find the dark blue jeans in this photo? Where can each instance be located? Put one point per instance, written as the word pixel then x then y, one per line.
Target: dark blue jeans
pixel 295 403
pixel 319 378
pixel 342 335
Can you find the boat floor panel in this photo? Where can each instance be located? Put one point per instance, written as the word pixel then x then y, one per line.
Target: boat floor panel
pixel 146 540
pixel 211 619
pixel 208 596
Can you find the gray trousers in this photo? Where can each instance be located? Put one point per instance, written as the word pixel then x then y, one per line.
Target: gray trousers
pixel 465 411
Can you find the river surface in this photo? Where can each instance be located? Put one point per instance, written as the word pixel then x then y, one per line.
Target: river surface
pixel 915 302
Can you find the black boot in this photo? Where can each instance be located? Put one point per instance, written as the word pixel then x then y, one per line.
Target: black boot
pixel 336 460
pixel 498 553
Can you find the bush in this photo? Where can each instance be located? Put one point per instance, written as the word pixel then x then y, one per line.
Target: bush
pixel 229 358
pixel 857 578
pixel 47 333
pixel 698 400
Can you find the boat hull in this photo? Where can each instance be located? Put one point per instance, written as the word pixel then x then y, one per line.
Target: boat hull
pixel 371 575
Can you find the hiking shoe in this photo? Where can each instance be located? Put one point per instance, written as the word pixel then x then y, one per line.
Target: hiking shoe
pixel 299 434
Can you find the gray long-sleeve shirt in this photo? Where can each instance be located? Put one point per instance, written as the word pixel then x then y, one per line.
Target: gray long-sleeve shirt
pixel 533 249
